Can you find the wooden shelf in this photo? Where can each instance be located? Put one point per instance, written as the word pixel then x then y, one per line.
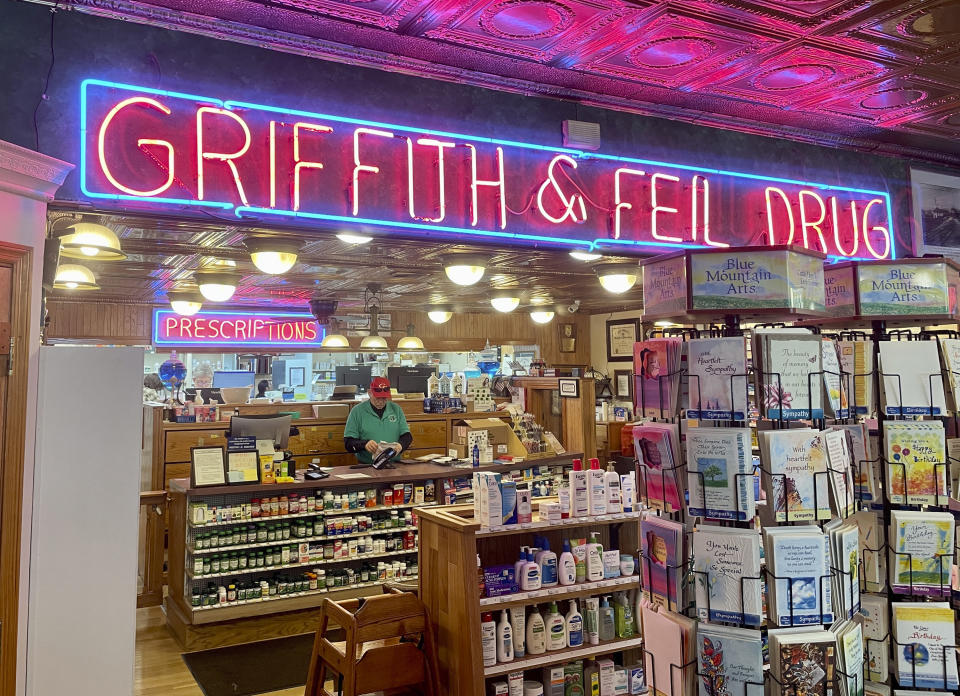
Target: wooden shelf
pixel 309 564
pixel 554 594
pixel 299 540
pixel 312 513
pixel 562 524
pixel 553 657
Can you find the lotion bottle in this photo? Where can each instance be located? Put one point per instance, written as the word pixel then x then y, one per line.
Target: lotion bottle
pixel 611 481
pixel 518 567
pixel 488 640
pixel 556 628
pixel 579 494
pixel 563 495
pixel 530 580
pixel 536 633
pixel 574 621
pixel 580 559
pixel 518 621
pixel 594 558
pixel 567 566
pixel 628 492
pixel 547 560
pixel 607 628
pixel 504 639
pixel 598 489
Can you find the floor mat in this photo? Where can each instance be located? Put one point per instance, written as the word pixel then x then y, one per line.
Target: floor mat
pixel 252 668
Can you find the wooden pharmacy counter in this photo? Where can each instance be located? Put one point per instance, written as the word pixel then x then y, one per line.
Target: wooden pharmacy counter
pixel 206 627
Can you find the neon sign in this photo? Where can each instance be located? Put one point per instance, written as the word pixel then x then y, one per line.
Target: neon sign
pixel 143 147
pixel 283 330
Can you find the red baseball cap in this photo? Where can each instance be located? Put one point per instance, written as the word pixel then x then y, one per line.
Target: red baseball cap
pixel 380 387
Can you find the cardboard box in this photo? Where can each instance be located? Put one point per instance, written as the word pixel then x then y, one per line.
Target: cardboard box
pixel 607 670
pixel 553 680
pixel 500 435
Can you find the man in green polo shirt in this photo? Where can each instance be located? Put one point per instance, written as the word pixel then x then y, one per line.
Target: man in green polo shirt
pixel 374 421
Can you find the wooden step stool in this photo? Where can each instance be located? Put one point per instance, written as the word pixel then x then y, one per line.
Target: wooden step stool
pixel 389 648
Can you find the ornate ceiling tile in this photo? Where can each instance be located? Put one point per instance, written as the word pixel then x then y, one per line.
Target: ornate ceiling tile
pixel 530 29
pixel 386 14
pixel 671 49
pixel 797 75
pixel 892 101
pixel 916 28
pixel 803 13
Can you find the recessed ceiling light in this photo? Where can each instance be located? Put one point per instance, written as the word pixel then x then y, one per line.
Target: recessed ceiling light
pixel 585 255
pixel 353 238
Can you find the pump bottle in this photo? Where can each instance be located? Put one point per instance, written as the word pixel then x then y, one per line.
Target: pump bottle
pixel 574 625
pixel 547 560
pixel 530 580
pixel 579 493
pixel 607 627
pixel 567 566
pixel 594 558
pixel 504 639
pixel 536 633
pixel 556 628
pixel 598 489
pixel 611 482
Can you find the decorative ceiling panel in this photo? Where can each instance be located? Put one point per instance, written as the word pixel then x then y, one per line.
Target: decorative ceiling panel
pixel 878 74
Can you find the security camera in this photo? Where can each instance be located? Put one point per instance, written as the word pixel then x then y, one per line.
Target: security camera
pixel 573 307
pixel 323 309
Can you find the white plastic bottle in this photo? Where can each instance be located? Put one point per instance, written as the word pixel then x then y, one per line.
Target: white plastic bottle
pixel 628 492
pixel 598 488
pixel 518 620
pixel 579 494
pixel 530 579
pixel 592 619
pixel 594 558
pixel 556 628
pixel 563 496
pixel 536 633
pixel 547 560
pixel 504 639
pixel 567 566
pixel 611 481
pixel 488 640
pixel 518 566
pixel 574 621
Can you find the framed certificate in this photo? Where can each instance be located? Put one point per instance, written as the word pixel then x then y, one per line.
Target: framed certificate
pixel 208 467
pixel 621 335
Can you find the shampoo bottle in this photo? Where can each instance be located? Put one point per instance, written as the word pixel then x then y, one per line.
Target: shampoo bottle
pixel 518 622
pixel 591 619
pixel 607 628
pixel 556 628
pixel 536 633
pixel 598 488
pixel 594 558
pixel 530 580
pixel 611 481
pixel 504 639
pixel 574 620
pixel 488 640
pixel 547 560
pixel 567 566
pixel 579 494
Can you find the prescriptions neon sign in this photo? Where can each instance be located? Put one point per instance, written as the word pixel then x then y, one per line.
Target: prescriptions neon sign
pixel 143 147
pixel 232 329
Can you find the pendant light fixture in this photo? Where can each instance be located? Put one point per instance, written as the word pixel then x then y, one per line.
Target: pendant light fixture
pixel 273 256
pixel 617 277
pixel 542 316
pixel 464 269
pixel 353 238
pixel 505 303
pixel 72 276
pixel 186 303
pixel 217 286
pixel 585 255
pixel 335 339
pixel 372 302
pixel 410 341
pixel 374 342
pixel 88 240
pixel 440 314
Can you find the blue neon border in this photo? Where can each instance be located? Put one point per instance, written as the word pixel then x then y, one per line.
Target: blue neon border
pixel 158 311
pixel 239 211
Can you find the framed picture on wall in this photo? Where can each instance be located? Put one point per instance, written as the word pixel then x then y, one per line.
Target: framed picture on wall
pixel 208 467
pixel 570 388
pixel 568 337
pixel 297 377
pixel 623 384
pixel 936 213
pixel 621 335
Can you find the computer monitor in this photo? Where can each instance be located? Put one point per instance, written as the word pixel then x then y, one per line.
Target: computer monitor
pixel 410 380
pixel 356 375
pixel 267 427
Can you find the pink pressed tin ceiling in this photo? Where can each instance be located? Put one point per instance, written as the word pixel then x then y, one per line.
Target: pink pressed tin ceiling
pixel 869 73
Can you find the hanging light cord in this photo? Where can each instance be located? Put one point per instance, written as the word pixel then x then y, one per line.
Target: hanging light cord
pixel 46 84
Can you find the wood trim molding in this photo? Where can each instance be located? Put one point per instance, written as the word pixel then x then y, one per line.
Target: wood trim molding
pixel 31 174
pixel 11 485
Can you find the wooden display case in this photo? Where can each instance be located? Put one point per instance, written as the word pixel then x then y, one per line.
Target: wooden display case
pixel 450 540
pixel 203 627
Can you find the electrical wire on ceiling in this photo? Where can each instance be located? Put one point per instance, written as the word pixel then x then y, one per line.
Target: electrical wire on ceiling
pixel 46 83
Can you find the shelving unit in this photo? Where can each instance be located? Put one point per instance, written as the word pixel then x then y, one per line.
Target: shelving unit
pixel 451 539
pixel 225 623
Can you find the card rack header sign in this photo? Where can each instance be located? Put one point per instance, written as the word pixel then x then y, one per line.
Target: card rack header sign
pixel 143 148
pixel 283 330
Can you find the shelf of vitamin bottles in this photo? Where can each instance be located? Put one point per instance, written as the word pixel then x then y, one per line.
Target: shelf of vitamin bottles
pixel 558 524
pixel 299 540
pixel 560 592
pixel 311 513
pixel 291 602
pixel 325 561
pixel 565 655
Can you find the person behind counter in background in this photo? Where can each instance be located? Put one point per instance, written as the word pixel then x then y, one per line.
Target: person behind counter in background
pixel 153 390
pixel 374 421
pixel 262 387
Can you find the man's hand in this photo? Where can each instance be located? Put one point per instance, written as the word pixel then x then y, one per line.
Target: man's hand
pixel 371 447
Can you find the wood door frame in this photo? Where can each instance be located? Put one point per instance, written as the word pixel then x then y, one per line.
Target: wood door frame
pixel 20 258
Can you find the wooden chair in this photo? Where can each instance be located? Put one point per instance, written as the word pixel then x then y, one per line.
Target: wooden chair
pixel 388 648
